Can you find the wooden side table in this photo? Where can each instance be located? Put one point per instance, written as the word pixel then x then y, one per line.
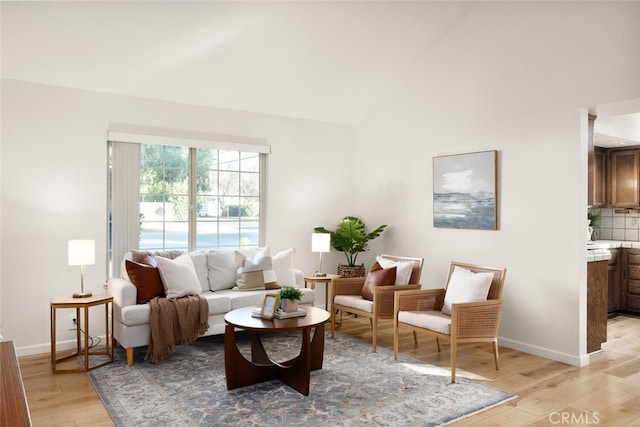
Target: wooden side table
pixel 321 279
pixel 83 305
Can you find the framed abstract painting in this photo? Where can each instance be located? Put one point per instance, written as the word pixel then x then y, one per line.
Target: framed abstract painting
pixel 465 191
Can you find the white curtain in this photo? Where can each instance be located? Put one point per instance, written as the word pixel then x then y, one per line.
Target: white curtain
pixel 125 201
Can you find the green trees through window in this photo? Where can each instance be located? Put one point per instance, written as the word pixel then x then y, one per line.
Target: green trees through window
pixel 198 198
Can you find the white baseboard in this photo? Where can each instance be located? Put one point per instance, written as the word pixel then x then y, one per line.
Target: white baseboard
pixel 570 359
pixel 31 350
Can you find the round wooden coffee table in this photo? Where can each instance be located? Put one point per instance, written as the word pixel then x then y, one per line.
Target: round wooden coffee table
pixel 296 372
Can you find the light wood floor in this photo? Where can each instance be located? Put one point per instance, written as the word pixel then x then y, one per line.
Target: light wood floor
pixel 606 392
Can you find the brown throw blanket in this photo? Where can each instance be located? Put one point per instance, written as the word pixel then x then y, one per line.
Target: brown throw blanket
pixel 175 322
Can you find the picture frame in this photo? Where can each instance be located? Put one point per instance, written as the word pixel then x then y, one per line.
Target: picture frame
pixel 269 306
pixel 465 191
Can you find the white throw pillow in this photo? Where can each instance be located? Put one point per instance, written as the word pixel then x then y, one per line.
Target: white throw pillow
pixel 466 286
pixel 199 259
pixel 283 266
pixel 255 272
pixel 222 270
pixel 403 269
pixel 179 276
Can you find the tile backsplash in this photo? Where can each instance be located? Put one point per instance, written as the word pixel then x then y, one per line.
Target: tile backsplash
pixel 617 226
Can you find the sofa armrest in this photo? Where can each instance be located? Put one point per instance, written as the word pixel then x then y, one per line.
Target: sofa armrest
pixel 124 293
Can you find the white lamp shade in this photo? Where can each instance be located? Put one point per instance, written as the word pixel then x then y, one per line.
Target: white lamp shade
pixel 320 242
pixel 82 252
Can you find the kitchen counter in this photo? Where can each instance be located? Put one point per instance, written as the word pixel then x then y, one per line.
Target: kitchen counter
pixel 612 244
pixel 598 250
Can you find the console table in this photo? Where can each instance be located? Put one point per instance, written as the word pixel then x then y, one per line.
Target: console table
pixel 13 400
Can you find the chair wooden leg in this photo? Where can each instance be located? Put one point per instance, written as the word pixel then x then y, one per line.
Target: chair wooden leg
pixel 496 357
pixel 438 344
pixel 333 323
pixel 453 361
pixel 130 352
pixel 371 323
pixel 396 332
pixel 374 325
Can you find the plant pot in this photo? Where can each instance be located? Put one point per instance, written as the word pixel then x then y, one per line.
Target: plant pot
pixel 289 305
pixel 346 271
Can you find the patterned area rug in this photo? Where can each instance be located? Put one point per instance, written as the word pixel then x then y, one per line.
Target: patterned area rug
pixel 355 387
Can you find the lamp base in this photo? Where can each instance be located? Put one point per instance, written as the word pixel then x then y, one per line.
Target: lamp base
pixel 82 294
pixel 318 274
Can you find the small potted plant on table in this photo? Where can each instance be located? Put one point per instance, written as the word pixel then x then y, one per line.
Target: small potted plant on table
pixel 290 296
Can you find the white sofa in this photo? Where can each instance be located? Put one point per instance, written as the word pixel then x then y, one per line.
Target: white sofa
pixel 216 274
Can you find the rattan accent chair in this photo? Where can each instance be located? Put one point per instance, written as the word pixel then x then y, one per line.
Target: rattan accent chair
pixel 421 311
pixel 346 296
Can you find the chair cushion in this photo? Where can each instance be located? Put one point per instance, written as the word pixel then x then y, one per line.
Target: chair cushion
pixel 433 320
pixel 466 286
pixel 354 301
pixel 378 276
pixel 146 279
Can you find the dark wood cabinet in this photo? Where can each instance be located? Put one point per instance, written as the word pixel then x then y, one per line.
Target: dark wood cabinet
pixel 599 194
pixel 613 282
pixel 596 304
pixel 624 173
pixel 591 162
pixel 630 284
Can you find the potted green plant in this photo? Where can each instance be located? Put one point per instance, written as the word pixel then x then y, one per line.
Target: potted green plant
pixel 290 296
pixel 594 218
pixel 351 238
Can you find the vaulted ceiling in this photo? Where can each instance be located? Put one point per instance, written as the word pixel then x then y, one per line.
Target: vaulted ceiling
pixel 329 61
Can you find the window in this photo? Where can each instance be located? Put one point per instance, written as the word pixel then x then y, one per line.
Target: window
pixel 164 197
pixel 228 199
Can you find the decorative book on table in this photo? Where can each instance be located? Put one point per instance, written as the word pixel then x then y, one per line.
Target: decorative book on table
pixel 280 314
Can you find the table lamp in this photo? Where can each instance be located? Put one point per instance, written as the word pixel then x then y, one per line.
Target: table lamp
pixel 320 242
pixel 82 252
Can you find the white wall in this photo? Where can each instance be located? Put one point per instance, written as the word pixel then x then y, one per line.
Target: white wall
pixel 512 77
pixel 54 188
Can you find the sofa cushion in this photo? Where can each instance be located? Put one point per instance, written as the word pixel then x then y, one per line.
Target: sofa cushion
pixel 377 276
pixel 218 303
pixel 140 256
pixel 255 272
pixel 254 298
pixel 466 286
pixel 146 279
pixel 222 270
pixel 179 276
